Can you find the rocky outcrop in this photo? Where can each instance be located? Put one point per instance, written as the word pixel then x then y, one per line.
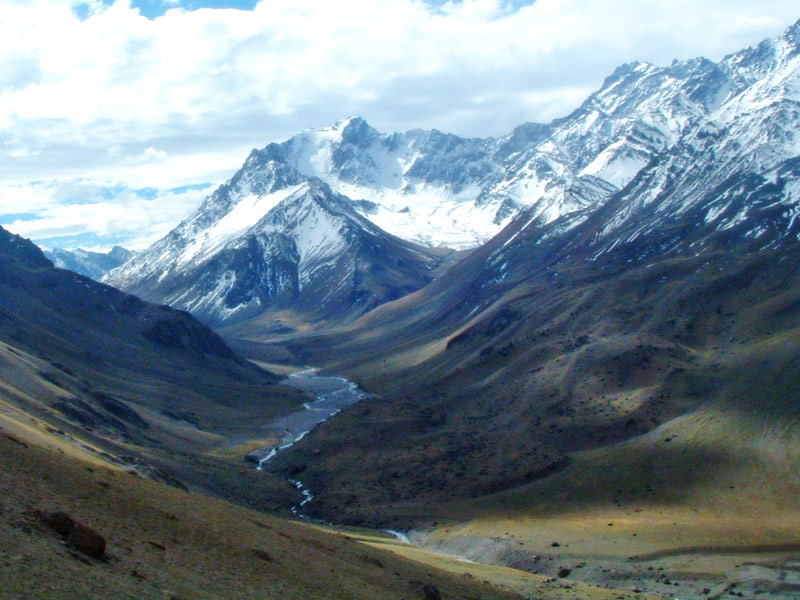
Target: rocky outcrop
pixel 81 537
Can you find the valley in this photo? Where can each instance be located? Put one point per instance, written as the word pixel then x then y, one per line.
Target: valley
pixel 561 363
pixel 692 499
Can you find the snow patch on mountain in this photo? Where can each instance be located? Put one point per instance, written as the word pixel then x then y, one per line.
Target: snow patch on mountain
pixel 618 163
pixel 244 215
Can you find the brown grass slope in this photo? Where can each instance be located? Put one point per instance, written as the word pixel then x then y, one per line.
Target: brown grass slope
pixel 166 543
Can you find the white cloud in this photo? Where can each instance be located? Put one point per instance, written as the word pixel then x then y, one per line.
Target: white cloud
pixel 110 214
pixel 184 97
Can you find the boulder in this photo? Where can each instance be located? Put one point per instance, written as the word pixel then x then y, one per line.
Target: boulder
pixel 429 592
pixel 81 537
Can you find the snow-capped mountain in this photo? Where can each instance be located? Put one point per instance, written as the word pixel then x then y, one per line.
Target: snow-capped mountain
pixel 420 185
pixel 91 264
pixel 722 166
pixel 269 239
pixel 655 149
pixel 440 189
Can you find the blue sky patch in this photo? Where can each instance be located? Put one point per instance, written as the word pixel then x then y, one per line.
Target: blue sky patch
pixel 190 188
pixel 20 216
pixel 155 8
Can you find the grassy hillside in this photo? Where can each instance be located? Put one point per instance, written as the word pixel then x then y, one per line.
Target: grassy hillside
pixel 85 366
pixel 166 543
pixel 645 417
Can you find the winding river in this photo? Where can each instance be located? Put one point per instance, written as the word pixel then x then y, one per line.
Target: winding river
pixel 332 394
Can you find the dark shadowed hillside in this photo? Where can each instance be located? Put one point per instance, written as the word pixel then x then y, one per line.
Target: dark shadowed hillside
pixel 595 330
pixel 128 382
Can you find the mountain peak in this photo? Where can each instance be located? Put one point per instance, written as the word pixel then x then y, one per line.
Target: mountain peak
pixel 792 35
pixel 631 67
pixel 120 253
pixel 622 75
pixel 354 120
pixel 14 247
pixel 359 132
pixel 344 128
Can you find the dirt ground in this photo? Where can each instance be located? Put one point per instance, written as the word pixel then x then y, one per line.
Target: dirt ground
pixel 674 557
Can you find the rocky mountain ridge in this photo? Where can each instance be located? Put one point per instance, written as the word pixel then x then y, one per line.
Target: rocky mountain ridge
pixel 652 145
pixel 600 328
pixel 88 263
pixel 256 245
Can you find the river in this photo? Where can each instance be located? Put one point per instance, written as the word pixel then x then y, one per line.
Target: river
pixel 332 394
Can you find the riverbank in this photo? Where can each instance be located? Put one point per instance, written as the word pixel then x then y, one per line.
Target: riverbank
pixel 332 394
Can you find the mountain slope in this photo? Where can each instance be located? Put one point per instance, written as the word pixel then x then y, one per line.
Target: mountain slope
pixel 597 330
pixel 90 370
pixel 255 245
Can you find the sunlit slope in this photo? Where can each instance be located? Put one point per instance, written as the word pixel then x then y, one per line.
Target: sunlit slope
pixel 166 543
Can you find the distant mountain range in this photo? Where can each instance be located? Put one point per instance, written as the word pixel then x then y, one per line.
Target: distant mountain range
pixel 90 264
pixel 315 224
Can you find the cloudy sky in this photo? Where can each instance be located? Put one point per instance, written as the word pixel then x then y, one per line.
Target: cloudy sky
pixel 118 117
